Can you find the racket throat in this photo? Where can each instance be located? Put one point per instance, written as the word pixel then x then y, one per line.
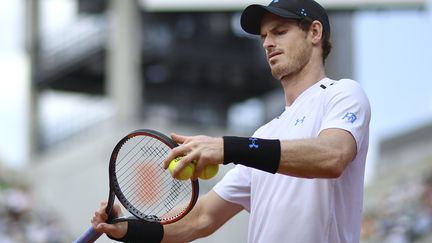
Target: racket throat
pixel 110 207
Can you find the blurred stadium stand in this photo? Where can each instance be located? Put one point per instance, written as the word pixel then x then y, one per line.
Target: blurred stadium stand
pixel 398 203
pixel 23 216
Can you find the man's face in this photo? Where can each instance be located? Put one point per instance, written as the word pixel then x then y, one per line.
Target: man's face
pixel 287 46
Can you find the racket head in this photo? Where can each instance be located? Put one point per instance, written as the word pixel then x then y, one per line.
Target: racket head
pixel 141 184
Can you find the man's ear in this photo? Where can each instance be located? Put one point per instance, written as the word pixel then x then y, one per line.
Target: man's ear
pixel 316 31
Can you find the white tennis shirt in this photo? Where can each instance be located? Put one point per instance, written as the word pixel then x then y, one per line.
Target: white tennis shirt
pixel 285 209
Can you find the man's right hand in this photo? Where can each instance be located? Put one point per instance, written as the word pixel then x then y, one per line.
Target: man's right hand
pixel 117 230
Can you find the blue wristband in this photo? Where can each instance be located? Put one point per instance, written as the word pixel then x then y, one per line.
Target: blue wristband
pixel 261 154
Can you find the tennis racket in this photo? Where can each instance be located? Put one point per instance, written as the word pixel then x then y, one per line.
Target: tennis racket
pixel 140 183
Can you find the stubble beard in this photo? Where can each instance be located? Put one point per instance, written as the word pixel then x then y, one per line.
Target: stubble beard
pixel 293 63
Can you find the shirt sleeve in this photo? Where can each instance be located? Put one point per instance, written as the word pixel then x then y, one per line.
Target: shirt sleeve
pixel 347 107
pixel 235 186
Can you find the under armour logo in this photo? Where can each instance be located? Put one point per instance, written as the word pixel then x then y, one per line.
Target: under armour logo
pixel 299 120
pixel 349 116
pixel 253 143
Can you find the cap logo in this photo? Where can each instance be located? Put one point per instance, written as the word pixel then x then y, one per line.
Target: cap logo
pixel 303 12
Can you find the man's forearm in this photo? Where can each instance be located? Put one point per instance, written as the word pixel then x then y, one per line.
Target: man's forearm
pixel 323 157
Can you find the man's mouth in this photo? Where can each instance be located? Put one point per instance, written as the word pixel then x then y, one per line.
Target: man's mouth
pixel 273 54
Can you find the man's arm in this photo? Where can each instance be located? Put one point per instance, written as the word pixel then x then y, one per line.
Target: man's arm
pixel 210 213
pixel 325 156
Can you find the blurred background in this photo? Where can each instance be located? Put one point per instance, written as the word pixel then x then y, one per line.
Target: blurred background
pixel 77 75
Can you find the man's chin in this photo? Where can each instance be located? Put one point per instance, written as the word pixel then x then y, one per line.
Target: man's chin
pixel 278 73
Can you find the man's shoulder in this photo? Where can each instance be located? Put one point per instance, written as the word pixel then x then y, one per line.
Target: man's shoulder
pixel 346 86
pixel 341 83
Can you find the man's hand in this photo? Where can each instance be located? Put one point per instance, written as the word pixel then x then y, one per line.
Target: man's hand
pixel 202 149
pixel 100 217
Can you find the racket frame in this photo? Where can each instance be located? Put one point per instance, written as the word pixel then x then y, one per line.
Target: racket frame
pixel 91 235
pixel 115 190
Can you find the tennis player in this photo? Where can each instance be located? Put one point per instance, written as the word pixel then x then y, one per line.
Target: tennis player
pixel 301 175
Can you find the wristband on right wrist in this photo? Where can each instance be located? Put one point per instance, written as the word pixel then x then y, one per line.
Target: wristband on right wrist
pixel 262 154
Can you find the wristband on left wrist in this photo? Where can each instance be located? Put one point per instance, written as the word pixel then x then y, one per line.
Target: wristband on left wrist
pixel 143 231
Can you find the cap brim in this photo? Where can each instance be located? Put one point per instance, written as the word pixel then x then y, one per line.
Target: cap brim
pixel 252 16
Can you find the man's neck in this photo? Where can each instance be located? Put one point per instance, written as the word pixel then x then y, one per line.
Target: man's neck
pixel 296 84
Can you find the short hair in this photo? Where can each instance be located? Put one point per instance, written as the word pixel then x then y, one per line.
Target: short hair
pixel 305 24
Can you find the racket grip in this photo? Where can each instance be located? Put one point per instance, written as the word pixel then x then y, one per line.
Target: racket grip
pixel 89 236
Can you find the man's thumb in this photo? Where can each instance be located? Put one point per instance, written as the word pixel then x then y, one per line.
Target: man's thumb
pixel 105 228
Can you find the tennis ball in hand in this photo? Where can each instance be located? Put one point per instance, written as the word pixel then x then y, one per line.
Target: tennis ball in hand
pixel 209 171
pixel 186 173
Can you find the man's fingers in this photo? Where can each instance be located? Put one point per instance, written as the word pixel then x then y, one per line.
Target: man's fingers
pixel 198 168
pixel 177 151
pixel 186 160
pixel 179 138
pixel 117 210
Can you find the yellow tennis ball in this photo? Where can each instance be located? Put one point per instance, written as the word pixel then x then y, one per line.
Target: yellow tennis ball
pixel 186 173
pixel 209 171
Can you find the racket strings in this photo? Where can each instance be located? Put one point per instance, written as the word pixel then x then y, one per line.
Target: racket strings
pixel 133 162
pixel 126 156
pixel 144 182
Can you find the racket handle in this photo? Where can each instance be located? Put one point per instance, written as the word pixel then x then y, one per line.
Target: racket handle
pixel 89 236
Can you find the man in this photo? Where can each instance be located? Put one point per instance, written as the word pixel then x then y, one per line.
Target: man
pixel 301 175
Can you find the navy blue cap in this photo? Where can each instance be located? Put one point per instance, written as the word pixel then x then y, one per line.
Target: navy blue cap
pixel 290 9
